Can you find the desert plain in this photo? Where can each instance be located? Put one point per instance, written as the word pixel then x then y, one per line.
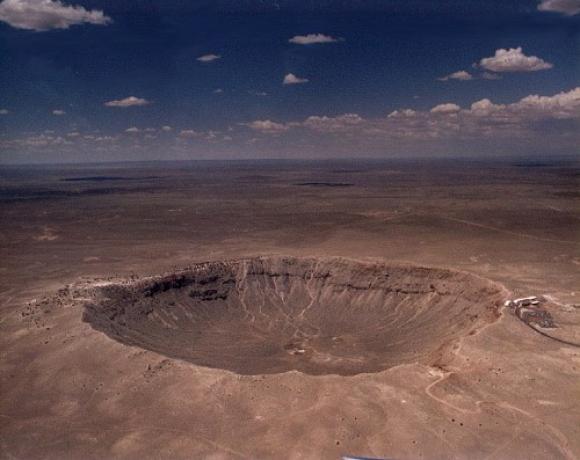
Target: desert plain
pixel 290 309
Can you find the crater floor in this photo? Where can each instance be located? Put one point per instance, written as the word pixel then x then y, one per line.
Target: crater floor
pixel 316 316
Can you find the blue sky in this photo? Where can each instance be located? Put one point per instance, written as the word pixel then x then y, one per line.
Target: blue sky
pixel 367 76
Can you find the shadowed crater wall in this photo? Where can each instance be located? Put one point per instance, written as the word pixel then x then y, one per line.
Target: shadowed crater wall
pixel 319 316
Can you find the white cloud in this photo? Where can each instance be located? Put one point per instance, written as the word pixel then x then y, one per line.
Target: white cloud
pixel 402 113
pixel 311 39
pixel 37 141
pixel 567 7
pixel 42 15
pixel 564 105
pixel 267 126
pixel 208 57
pixel 533 123
pixel 218 91
pixel 485 108
pixel 459 75
pixel 189 133
pixel 58 112
pixel 105 139
pixel 166 128
pixel 514 60
pixel 333 124
pixel 483 118
pixel 291 79
pixel 130 101
pixel 133 129
pixel 446 108
pixel 4 112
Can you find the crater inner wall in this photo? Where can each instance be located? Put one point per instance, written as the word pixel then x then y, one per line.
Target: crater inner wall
pixel 270 315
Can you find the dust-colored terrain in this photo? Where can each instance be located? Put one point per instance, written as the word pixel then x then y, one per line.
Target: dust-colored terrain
pixel 290 310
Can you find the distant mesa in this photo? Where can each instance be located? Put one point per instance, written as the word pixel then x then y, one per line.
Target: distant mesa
pixel 325 184
pixel 318 316
pixel 106 178
pixel 534 164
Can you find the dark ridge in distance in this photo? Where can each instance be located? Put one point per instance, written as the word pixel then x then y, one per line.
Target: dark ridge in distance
pixel 255 178
pixel 29 195
pixel 106 178
pixel 325 184
pixel 571 194
pixel 534 164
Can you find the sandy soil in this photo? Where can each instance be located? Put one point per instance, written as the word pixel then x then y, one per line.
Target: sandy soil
pixel 70 390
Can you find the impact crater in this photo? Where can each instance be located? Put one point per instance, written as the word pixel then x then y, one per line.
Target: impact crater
pixel 268 315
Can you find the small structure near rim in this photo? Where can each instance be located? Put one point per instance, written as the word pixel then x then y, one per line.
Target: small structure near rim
pixel 528 310
pixel 522 302
pixel 348 457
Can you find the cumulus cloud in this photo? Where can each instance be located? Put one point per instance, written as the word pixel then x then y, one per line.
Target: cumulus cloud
pixel 36 141
pixel 312 39
pixel 42 15
pixel 130 101
pixel 105 139
pixel 133 129
pixel 291 79
pixel 446 108
pixel 514 60
pixel 564 105
pixel 209 57
pixel 166 128
pixel 485 108
pixel 189 133
pixel 333 124
pixel 567 7
pixel 58 112
pixel 267 126
pixel 516 122
pixel 211 135
pixel 402 113
pixel 4 112
pixel 459 75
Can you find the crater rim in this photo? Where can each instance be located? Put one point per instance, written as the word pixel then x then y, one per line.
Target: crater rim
pixel 137 312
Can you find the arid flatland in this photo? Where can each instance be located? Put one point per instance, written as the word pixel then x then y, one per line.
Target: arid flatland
pixel 281 309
